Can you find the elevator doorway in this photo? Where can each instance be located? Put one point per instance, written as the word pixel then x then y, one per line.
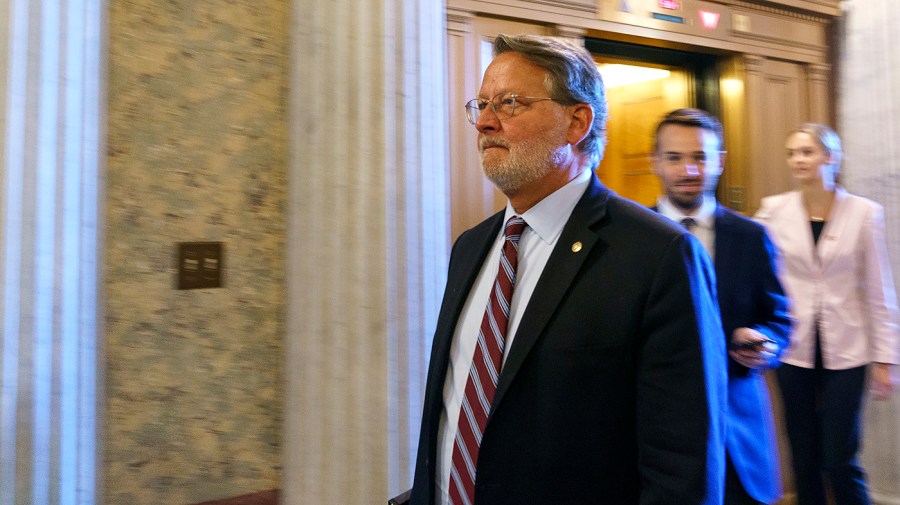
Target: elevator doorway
pixel 643 84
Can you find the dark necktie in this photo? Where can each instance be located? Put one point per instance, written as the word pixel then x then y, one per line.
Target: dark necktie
pixel 688 224
pixel 485 370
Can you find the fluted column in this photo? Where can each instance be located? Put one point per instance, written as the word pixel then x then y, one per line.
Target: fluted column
pixel 818 77
pixel 49 237
pixel 869 108
pixel 367 242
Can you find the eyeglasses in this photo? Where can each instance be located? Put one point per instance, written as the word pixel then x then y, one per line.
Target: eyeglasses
pixel 503 105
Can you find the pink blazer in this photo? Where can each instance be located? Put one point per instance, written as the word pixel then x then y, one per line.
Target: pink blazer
pixel 844 281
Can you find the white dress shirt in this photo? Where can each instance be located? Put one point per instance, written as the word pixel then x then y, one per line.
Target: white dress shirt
pixel 704 217
pixel 545 223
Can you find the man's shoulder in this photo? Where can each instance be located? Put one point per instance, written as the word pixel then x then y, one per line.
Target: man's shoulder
pixel 737 221
pixel 626 212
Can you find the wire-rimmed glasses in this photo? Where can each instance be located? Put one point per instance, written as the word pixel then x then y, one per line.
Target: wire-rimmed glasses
pixel 503 105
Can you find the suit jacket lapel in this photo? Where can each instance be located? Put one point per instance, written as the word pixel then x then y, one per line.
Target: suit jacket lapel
pixel 833 229
pixel 469 264
pixel 799 229
pixel 723 238
pixel 562 267
pixel 465 268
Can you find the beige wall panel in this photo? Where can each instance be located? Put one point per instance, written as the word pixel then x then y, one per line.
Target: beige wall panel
pixel 473 197
pixel 734 116
pixel 818 79
pixel 800 31
pixel 776 102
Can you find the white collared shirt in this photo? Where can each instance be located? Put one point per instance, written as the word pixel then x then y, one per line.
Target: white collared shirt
pixel 704 217
pixel 545 223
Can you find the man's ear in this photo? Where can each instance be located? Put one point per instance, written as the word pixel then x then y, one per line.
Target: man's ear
pixel 582 116
pixel 654 163
pixel 722 161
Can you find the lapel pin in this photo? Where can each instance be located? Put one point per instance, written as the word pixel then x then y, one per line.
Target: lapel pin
pixel 576 247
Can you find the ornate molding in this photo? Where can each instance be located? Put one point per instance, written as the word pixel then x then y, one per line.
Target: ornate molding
pixel 457 15
pixel 581 5
pixel 572 33
pixel 460 20
pixel 753 64
pixel 819 72
pixel 755 7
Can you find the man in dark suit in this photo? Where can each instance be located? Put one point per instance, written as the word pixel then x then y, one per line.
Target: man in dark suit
pixel 688 160
pixel 600 378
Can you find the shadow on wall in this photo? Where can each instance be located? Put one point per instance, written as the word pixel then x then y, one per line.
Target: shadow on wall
pixel 269 497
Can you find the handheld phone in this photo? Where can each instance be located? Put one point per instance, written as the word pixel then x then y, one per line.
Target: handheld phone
pixel 749 345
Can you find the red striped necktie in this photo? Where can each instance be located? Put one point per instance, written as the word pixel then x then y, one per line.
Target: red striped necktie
pixel 485 370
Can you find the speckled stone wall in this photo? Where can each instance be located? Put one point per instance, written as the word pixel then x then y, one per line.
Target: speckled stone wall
pixel 196 152
pixel 869 105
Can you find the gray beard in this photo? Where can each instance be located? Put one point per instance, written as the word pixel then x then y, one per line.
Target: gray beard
pixel 522 167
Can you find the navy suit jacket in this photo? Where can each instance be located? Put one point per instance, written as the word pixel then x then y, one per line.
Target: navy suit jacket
pixel 751 296
pixel 614 387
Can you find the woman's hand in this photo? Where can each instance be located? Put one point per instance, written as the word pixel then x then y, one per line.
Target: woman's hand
pixel 881 384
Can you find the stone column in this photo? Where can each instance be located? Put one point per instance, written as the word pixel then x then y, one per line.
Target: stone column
pixel 368 242
pixel 869 108
pixel 50 63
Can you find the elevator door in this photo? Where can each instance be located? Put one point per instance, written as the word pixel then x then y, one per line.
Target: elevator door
pixel 643 84
pixel 638 96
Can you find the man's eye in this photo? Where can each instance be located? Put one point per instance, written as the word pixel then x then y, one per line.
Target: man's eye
pixel 482 104
pixel 700 158
pixel 508 101
pixel 673 158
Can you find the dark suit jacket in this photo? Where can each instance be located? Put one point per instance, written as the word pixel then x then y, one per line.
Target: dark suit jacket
pixel 751 296
pixel 614 387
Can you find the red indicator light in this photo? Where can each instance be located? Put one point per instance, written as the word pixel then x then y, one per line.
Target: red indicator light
pixel 710 20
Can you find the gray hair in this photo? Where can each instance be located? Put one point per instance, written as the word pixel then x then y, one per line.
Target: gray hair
pixel 572 77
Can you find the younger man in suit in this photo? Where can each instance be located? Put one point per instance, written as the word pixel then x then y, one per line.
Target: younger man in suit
pixel 688 160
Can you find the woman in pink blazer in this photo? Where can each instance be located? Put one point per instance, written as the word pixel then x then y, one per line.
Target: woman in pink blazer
pixel 837 273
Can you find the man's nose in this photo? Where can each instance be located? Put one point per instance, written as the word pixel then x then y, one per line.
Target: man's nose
pixel 487 121
pixel 692 169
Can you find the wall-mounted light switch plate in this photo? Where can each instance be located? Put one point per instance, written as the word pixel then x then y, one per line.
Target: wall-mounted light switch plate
pixel 200 265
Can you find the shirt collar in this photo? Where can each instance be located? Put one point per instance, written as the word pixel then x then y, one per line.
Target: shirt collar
pixel 704 216
pixel 548 216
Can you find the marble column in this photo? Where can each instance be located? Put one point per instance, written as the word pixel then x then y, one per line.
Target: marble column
pixel 368 242
pixel 50 61
pixel 869 108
